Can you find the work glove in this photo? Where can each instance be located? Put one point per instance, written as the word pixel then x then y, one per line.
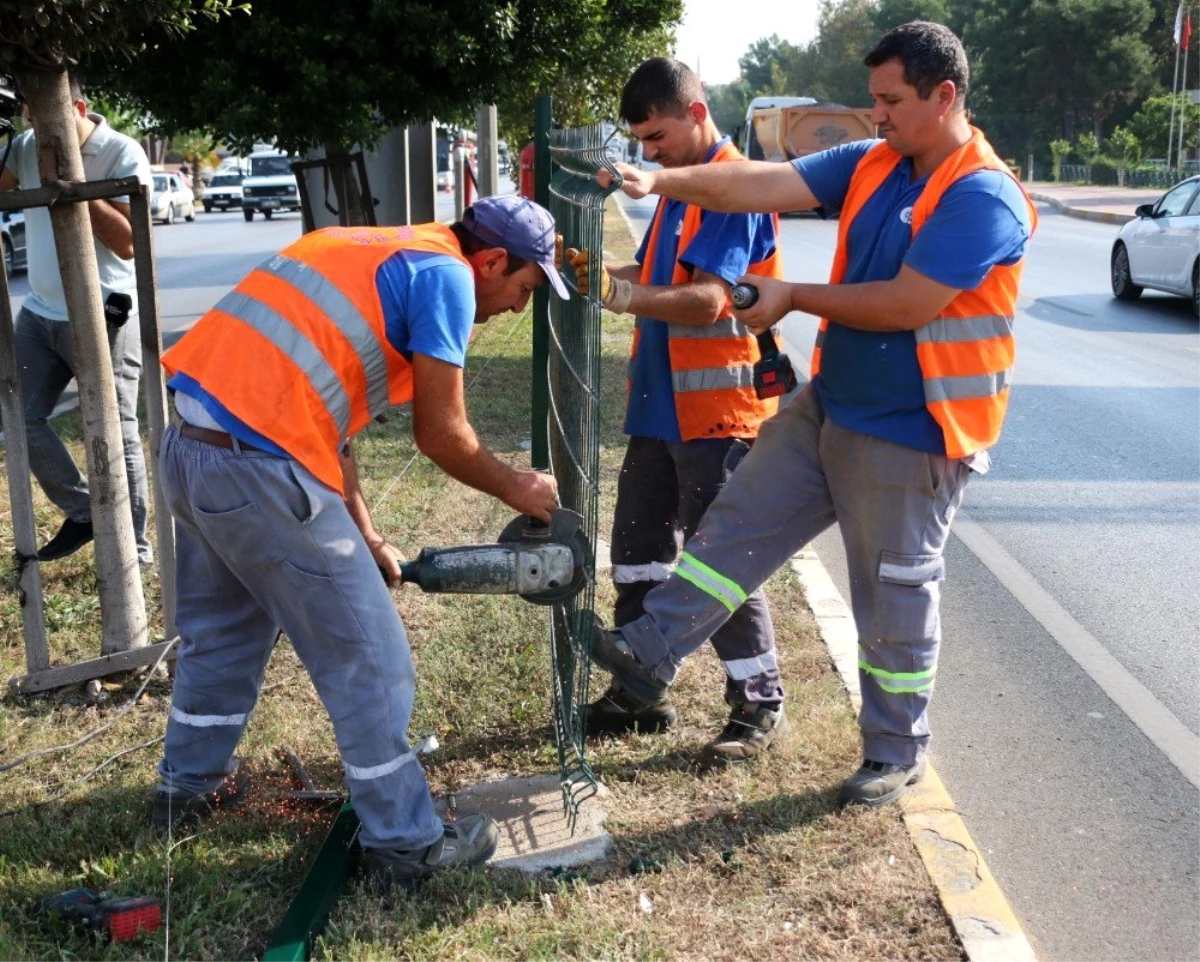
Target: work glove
pixel 615 292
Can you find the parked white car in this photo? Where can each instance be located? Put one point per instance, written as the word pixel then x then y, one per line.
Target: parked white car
pixel 1160 247
pixel 171 198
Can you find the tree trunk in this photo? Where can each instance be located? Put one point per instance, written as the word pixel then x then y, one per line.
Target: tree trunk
pixel 122 603
pixel 345 185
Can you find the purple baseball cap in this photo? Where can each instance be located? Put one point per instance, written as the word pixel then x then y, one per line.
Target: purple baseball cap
pixel 521 227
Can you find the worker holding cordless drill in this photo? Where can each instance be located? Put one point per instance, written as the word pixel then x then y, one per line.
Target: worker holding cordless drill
pixel 692 409
pixel 911 374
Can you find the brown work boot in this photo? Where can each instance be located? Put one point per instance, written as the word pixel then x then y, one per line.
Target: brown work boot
pixel 748 733
pixel 469 840
pixel 177 810
pixel 617 712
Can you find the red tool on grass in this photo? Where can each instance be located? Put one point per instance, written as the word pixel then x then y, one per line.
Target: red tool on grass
pixel 119 919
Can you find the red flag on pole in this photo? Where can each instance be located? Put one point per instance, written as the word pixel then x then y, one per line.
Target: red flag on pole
pixel 1186 37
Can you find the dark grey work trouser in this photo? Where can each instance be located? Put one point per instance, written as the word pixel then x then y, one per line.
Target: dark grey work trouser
pixel 894 506
pixel 664 489
pixel 46 357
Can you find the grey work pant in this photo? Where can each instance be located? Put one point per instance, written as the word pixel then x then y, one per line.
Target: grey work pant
pixel 894 506
pixel 663 490
pixel 46 359
pixel 262 545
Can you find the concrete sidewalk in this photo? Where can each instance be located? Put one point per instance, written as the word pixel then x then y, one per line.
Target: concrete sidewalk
pixel 1109 205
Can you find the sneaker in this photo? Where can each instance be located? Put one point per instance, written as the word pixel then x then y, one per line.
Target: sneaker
pixel 612 653
pixel 878 783
pixel 470 840
pixel 748 733
pixel 178 810
pixel 72 536
pixel 617 712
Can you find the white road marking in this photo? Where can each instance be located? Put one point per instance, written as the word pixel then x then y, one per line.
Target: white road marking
pixel 1156 721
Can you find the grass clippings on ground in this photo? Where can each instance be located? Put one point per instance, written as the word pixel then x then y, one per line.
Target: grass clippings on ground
pixel 750 862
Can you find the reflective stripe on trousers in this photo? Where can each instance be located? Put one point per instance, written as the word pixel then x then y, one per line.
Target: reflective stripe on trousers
pixel 803 474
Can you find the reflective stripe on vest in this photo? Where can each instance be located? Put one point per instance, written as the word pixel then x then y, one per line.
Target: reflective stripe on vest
pixel 712 365
pixel 298 351
pixel 283 334
pixel 966 353
pixel 341 310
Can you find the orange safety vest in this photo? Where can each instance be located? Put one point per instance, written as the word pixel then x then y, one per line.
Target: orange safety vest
pixel 712 365
pixel 298 350
pixel 966 353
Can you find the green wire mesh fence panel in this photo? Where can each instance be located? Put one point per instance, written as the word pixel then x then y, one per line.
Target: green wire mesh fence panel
pixel 577 203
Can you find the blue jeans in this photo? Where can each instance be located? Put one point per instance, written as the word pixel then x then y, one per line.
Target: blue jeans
pixel 261 545
pixel 46 360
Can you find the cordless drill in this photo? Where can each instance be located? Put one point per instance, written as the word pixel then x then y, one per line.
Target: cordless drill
pixel 773 374
pixel 119 919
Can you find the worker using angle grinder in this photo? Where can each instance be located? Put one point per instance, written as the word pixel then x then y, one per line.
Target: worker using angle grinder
pixel 273 532
pixel 911 372
pixel 693 411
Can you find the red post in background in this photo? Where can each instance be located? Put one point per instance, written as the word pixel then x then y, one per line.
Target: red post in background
pixel 526 161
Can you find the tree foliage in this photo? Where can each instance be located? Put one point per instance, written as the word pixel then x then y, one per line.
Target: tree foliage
pixel 53 35
pixel 314 72
pixel 1151 124
pixel 728 103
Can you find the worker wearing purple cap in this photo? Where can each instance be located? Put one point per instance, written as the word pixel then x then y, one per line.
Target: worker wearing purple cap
pixel 272 529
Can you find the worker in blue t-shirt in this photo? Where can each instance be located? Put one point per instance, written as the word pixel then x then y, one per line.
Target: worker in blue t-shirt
pixel 273 532
pixel 692 413
pixel 910 382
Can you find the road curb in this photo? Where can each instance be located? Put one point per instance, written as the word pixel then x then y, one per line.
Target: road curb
pixel 1083 213
pixel 972 899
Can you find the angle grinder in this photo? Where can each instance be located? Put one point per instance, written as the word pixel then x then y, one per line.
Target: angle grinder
pixel 545 564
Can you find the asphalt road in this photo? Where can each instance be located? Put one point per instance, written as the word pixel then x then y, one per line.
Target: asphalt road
pixel 1066 715
pixel 198 263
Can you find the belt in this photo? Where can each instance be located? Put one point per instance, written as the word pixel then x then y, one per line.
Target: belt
pixel 218 439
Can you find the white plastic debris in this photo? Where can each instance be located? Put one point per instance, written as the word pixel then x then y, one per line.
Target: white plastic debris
pixel 644 904
pixel 891 860
pixel 428 745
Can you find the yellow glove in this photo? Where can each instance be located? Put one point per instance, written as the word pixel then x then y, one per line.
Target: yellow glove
pixel 614 292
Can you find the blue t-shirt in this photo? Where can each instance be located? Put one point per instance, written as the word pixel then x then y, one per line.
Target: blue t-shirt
pixel 725 245
pixel 870 381
pixel 428 305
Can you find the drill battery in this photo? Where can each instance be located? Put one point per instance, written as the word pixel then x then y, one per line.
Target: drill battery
pixel 773 374
pixel 118 919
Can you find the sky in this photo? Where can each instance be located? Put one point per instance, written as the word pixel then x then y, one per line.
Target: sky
pixel 715 33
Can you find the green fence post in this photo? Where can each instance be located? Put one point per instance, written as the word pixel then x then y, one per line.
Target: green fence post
pixel 540 451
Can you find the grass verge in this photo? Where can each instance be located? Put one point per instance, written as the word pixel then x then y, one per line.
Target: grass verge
pixel 753 862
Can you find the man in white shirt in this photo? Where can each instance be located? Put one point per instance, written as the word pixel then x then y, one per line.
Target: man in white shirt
pixel 45 349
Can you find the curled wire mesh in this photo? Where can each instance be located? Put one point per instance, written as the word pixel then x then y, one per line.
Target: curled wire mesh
pixel 577 203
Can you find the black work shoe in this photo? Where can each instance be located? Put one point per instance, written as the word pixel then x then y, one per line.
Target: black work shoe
pixel 612 653
pixel 617 712
pixel 175 810
pixel 72 536
pixel 748 733
pixel 470 840
pixel 877 783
